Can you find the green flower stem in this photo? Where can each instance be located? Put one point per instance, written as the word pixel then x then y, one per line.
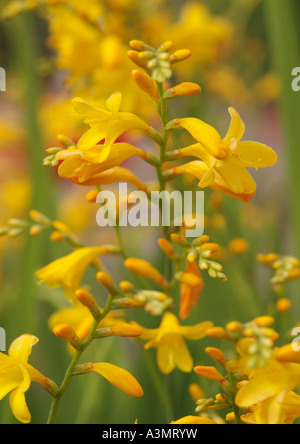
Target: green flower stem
pixel 283 35
pixel 74 362
pixel 233 393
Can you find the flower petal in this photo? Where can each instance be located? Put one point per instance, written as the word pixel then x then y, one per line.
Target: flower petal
pixel 17 399
pixel 206 135
pixel 118 377
pixel 237 178
pixel 165 358
pixel 93 136
pixel 10 378
pixel 21 348
pixel 181 355
pixel 89 111
pixel 197 331
pixel 236 128
pixel 255 155
pixel 113 103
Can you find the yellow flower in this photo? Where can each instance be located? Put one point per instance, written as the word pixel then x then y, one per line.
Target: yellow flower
pixel 85 164
pixel 69 270
pixel 16 376
pixel 224 161
pixel 194 420
pixel 168 339
pixel 106 125
pixel 270 390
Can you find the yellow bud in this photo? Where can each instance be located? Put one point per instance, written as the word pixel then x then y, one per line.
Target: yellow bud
pixel 85 298
pixel 88 301
pixel 294 274
pixel 216 354
pixel 38 217
pixel 183 89
pixel 166 46
pixel 64 331
pixel 126 330
pixel 146 84
pixel 56 236
pixel 248 333
pixel 128 303
pixel 267 259
pixel 138 45
pixel 287 354
pixel 107 282
pixel 212 247
pixel 146 270
pixel 126 286
pixel 230 417
pixel 283 305
pixel 35 230
pixel 234 327
pixel 210 373
pixel 91 196
pixel 264 321
pixel 271 334
pixel 180 55
pixel 60 226
pixel 217 333
pixel 135 58
pixel 196 392
pixel 238 246
pixel 167 248
pixel 177 239
pixel 221 398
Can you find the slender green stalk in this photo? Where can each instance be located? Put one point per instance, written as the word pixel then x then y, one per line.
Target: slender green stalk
pixel 74 362
pixel 22 36
pixel 280 16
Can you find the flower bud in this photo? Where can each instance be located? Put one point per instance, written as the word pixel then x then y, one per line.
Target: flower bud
pixel 217 355
pixel 146 270
pixel 283 305
pixel 56 236
pixel 64 331
pixel 180 55
pixel 238 246
pixel 217 333
pixel 264 321
pixel 91 196
pixel 167 248
pixel 138 45
pixel 128 303
pixel 87 300
pixel 146 84
pixel 196 392
pixel 183 89
pixel 135 58
pixel 210 373
pixel 287 354
pixel 126 287
pixel 121 330
pixel 107 282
